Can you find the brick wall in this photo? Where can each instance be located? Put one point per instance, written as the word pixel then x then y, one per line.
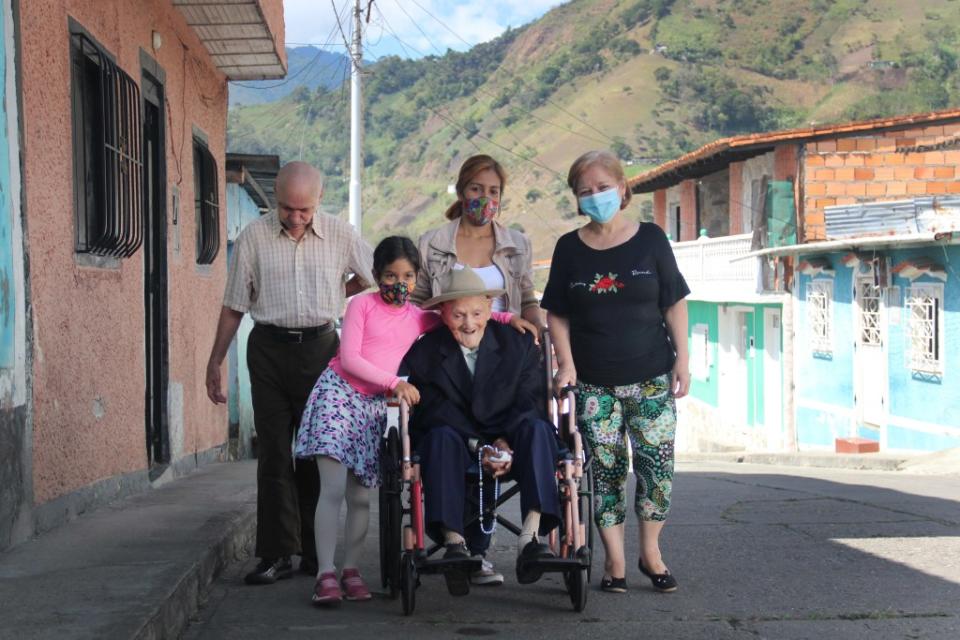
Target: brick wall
pixel 736 198
pixel 875 167
pixel 688 210
pixel 660 208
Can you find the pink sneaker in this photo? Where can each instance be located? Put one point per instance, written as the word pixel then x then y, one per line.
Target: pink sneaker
pixel 354 585
pixel 327 591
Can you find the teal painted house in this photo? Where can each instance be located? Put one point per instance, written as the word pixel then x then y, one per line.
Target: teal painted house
pixel 880 320
pixel 250 194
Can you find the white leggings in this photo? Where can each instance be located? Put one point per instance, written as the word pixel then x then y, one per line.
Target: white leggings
pixel 337 482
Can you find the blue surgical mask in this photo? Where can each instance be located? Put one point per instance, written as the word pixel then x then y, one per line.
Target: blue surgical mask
pixel 601 207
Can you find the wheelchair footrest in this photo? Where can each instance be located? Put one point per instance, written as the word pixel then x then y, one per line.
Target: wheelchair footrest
pixel 441 565
pixel 556 565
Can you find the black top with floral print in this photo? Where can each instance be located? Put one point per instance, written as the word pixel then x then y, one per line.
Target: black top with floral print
pixel 614 300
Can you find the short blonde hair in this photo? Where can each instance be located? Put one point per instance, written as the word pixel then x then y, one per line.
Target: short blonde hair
pixel 470 168
pixel 609 162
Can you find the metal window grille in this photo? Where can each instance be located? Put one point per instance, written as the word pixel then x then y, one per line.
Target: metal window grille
pixel 870 295
pixel 819 298
pixel 107 147
pixel 206 203
pixel 924 310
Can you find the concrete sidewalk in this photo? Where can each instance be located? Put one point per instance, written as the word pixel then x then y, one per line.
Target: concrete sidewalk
pixel 135 569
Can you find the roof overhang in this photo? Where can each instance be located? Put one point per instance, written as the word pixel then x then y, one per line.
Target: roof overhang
pixel 244 40
pixel 868 242
pixel 257 175
pixel 721 153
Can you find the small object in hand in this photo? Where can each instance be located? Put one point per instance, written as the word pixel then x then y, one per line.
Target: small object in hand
pixel 500 456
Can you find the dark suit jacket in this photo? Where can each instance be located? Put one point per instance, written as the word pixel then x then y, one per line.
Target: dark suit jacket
pixel 507 389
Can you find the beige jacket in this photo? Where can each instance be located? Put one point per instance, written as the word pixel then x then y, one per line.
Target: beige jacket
pixel 512 254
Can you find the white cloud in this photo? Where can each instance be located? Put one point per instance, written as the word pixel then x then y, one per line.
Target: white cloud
pixel 473 21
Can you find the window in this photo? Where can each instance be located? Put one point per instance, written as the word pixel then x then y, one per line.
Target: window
pixel 700 352
pixel 107 160
pixel 924 306
pixel 870 298
pixel 819 302
pixel 206 203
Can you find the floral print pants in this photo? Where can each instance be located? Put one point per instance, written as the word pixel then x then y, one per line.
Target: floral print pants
pixel 646 413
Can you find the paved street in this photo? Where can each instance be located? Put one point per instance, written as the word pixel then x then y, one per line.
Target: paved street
pixel 760 552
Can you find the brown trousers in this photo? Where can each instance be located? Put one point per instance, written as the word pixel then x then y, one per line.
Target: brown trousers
pixel 281 378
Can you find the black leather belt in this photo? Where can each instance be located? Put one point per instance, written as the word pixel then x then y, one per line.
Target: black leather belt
pixel 300 334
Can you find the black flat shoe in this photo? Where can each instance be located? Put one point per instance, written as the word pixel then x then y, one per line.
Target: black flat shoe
pixel 614 585
pixel 527 570
pixel 458 581
pixel 663 582
pixel 269 570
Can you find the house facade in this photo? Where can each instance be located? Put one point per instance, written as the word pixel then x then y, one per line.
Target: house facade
pixel 116 241
pixel 852 230
pixel 251 180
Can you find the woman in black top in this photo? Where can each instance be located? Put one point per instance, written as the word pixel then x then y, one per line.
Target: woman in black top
pixel 617 314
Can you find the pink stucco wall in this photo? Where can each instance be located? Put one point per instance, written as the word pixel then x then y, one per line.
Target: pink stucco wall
pixel 88 383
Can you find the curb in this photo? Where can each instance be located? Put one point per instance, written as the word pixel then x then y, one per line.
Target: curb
pixel 861 462
pixel 173 615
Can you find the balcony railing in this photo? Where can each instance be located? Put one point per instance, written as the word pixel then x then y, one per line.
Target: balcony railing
pixel 706 265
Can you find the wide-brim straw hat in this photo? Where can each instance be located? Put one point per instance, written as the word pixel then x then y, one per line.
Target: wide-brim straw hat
pixel 462 283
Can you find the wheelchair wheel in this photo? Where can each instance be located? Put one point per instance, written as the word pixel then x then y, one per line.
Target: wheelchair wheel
pixel 576 582
pixel 408 582
pixel 390 513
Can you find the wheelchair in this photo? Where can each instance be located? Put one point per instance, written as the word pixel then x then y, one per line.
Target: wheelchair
pixel 405 554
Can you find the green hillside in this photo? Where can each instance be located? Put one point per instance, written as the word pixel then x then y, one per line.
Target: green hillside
pixel 649 79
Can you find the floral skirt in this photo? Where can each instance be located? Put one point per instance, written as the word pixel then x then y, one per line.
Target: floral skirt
pixel 344 424
pixel 646 414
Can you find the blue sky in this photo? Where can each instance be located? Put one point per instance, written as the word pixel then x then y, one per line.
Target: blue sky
pixel 473 21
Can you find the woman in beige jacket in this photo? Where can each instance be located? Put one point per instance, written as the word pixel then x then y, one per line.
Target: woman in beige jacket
pixel 501 256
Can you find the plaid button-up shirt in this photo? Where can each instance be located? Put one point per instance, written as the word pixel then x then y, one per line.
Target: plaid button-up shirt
pixel 290 283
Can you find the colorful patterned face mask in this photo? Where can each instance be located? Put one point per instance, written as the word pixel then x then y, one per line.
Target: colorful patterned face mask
pixel 396 294
pixel 480 211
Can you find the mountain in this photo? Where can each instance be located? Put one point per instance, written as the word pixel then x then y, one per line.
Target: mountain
pixel 649 79
pixel 308 67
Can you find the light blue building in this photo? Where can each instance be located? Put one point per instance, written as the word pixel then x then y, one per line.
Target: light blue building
pixel 878 327
pixel 250 194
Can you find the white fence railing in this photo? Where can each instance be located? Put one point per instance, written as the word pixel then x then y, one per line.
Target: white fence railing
pixel 707 261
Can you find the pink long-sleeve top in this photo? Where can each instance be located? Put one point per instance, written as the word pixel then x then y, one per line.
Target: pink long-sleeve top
pixel 374 338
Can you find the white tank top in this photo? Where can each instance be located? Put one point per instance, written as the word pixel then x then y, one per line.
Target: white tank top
pixel 492 279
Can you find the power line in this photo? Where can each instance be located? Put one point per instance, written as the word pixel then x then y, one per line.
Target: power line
pixel 405 45
pixel 547 100
pixel 488 93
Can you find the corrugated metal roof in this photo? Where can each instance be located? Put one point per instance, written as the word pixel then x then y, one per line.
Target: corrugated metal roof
pixel 720 153
pixel 237 36
pixel 902 217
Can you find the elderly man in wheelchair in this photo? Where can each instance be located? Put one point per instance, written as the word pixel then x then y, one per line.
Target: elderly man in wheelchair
pixel 482 395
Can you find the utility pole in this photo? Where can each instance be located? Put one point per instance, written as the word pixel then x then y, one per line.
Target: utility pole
pixel 356 126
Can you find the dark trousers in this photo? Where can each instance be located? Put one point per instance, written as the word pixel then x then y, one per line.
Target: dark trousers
pixel 445 459
pixel 281 378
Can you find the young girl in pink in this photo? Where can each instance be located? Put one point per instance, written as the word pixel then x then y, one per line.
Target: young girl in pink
pixel 347 410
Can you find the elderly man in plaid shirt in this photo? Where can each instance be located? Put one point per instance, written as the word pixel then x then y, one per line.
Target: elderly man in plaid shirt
pixel 288 271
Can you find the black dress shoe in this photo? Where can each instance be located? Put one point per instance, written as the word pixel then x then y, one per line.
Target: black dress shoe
pixel 269 570
pixel 458 580
pixel 614 585
pixel 664 582
pixel 455 551
pixel 309 566
pixel 527 570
